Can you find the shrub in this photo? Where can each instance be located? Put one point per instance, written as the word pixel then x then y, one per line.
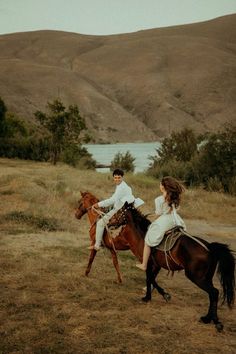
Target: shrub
pixel 217 157
pixel 124 161
pixel 213 165
pixel 232 185
pixel 25 148
pixel 36 221
pixel 180 146
pixel 184 171
pixel 77 156
pixel 214 184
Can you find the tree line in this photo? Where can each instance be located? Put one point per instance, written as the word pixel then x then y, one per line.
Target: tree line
pixel 58 137
pixel 206 159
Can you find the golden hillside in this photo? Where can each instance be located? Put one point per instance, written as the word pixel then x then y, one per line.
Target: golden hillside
pixel 151 82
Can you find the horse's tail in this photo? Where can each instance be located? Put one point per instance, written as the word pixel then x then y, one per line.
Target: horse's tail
pixel 226 270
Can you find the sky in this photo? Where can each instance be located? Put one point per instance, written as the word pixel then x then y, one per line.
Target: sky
pixel 104 17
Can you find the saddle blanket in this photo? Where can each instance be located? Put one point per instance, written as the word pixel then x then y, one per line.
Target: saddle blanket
pixel 169 239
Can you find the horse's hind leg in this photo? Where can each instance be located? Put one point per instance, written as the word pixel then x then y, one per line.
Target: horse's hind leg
pixel 212 311
pixel 116 264
pixel 90 262
pixel 213 293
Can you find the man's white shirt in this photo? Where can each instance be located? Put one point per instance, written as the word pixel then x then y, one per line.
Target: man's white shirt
pixel 122 194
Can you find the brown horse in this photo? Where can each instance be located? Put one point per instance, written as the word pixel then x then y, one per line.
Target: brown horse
pixel 113 244
pixel 195 256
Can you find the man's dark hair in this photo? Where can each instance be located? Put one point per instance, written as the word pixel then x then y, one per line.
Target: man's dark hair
pixel 118 172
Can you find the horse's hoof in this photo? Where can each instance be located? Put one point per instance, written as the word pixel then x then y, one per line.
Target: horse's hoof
pixel 146 299
pixel 167 297
pixel 205 319
pixel 145 289
pixel 219 327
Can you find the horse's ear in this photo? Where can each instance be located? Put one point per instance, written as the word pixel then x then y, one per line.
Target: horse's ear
pixel 82 193
pixel 126 204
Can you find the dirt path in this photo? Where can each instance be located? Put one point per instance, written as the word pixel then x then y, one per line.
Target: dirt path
pixel 213 232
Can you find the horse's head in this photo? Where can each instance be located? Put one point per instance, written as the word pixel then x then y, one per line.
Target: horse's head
pixel 80 210
pixel 129 215
pixel 85 203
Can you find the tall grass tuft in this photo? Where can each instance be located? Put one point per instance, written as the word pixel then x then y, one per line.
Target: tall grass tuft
pixel 37 221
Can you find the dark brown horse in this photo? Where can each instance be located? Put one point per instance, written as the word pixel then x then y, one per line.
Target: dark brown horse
pixel 113 244
pixel 195 256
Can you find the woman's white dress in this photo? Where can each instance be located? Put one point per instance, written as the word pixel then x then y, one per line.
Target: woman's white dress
pixel 168 219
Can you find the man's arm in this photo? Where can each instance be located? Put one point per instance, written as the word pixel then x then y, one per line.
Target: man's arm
pixel 107 202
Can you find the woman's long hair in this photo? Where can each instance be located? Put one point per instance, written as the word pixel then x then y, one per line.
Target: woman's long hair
pixel 173 190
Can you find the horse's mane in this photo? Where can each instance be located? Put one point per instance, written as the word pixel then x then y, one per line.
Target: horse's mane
pixel 90 196
pixel 140 221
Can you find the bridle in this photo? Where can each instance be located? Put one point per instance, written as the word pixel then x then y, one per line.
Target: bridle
pixel 120 218
pixel 82 208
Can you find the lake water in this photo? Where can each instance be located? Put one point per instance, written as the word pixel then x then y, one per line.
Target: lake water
pixel 104 153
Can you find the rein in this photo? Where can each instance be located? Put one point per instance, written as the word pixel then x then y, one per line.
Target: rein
pixel 195 239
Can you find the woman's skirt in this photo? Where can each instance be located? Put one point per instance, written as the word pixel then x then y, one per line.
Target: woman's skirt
pixel 158 228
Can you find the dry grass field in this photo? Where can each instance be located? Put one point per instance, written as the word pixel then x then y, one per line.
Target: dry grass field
pixel 47 305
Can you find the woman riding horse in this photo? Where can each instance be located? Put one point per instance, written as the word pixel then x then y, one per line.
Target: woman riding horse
pixel 195 256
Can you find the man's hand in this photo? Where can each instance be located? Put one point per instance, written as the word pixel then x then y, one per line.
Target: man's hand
pixel 95 205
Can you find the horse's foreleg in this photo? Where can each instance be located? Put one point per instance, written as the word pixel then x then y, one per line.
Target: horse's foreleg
pixel 160 290
pixel 149 282
pixel 90 262
pixel 116 264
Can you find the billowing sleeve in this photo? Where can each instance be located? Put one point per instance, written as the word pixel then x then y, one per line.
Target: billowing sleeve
pixel 108 202
pixel 159 205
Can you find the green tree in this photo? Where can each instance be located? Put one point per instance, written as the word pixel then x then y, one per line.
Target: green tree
pixel 15 127
pixel 124 161
pixel 10 125
pixel 78 156
pixel 214 166
pixel 63 125
pixel 217 158
pixel 180 146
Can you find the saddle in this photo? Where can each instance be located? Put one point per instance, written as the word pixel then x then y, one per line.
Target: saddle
pixel 115 230
pixel 170 238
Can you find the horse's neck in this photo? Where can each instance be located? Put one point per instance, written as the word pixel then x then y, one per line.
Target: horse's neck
pixel 92 216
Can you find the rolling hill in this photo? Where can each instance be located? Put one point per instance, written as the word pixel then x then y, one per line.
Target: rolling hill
pixel 130 87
